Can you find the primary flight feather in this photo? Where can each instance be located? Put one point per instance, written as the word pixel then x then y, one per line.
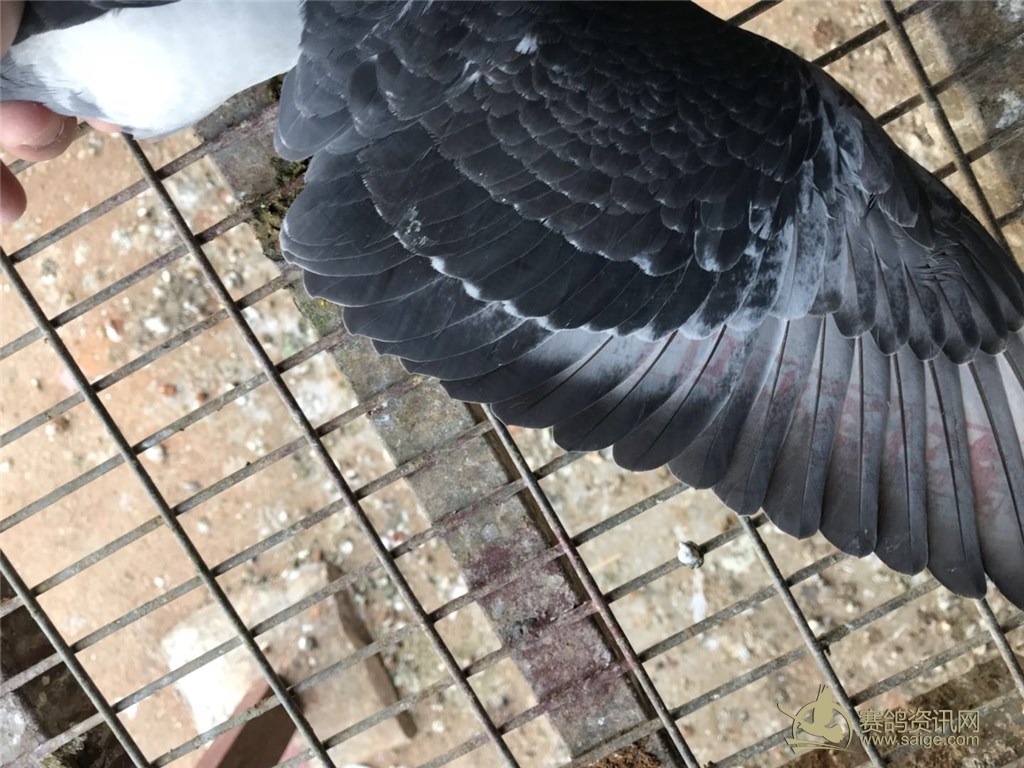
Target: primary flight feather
pixel 638 225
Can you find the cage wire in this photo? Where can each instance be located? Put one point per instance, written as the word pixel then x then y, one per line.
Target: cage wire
pixel 219 509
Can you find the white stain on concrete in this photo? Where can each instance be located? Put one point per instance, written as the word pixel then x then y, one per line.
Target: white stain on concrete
pixel 1013 109
pixel 1011 10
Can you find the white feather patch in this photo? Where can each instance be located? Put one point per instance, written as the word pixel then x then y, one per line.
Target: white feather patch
pixel 162 68
pixel 527 45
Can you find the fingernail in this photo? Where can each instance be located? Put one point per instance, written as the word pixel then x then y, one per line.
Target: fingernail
pixel 47 136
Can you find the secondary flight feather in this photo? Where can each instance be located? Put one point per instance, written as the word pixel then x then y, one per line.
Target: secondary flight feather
pixel 640 226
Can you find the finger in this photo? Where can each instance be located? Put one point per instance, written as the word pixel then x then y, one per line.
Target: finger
pixel 32 132
pixel 10 18
pixel 12 197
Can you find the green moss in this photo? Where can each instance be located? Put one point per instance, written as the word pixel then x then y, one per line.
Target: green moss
pixel 66 756
pixel 324 316
pixel 268 215
pixel 267 219
pixel 274 86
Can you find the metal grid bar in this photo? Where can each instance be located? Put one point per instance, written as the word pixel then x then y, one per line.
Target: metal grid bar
pixel 309 433
pixel 870 34
pixel 963 164
pixel 76 668
pixel 525 481
pixel 261 119
pixel 752 11
pixel 411 544
pixel 1002 644
pixel 126 370
pixel 583 611
pixel 882 686
pixel 779 662
pixel 246 555
pixel 993 706
pixel 115 434
pixel 160 263
pixel 1017 214
pixel 965 70
pixel 581 572
pixel 325 344
pixel 346 581
pixel 829 638
pixel 816 649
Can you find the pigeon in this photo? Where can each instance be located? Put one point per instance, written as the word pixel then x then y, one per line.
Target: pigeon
pixel 635 224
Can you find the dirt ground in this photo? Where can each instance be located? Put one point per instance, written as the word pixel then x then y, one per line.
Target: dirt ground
pixel 237 438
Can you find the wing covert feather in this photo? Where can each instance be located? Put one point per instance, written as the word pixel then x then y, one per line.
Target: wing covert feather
pixel 653 232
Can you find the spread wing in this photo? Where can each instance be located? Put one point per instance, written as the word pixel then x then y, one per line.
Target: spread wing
pixel 653 231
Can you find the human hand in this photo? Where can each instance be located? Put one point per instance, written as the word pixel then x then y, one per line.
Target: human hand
pixel 27 130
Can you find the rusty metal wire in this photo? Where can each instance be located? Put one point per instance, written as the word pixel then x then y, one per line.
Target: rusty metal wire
pixel 595 605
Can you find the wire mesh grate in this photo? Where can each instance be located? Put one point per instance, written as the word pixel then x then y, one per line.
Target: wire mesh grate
pixel 587 624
